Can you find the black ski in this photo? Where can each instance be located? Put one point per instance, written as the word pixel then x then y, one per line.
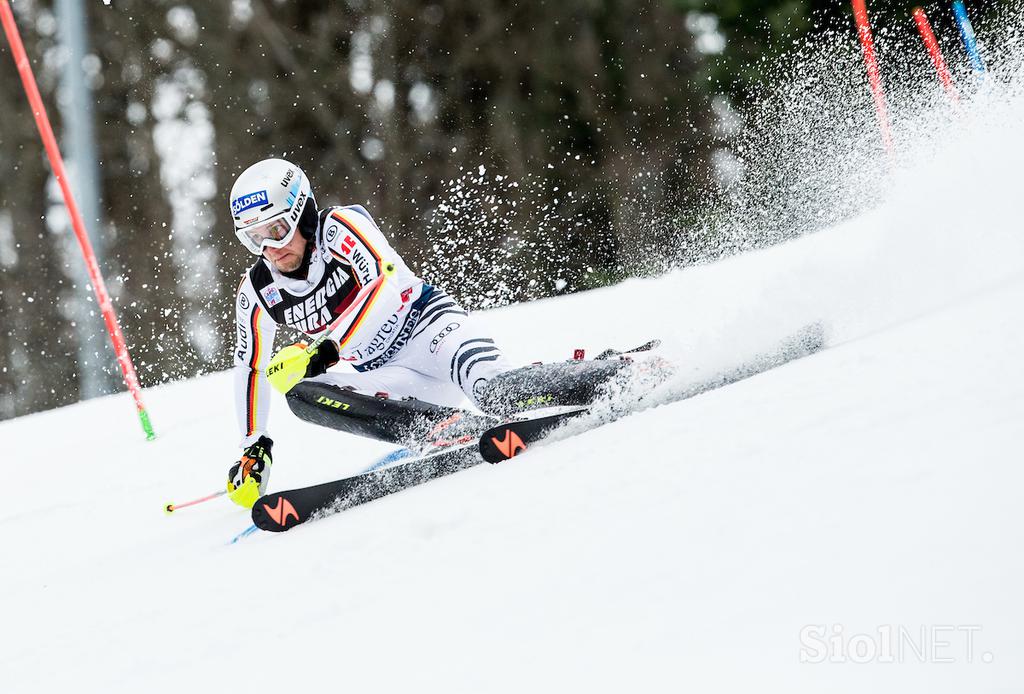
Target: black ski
pixel 645 347
pixel 504 441
pixel 507 440
pixel 409 422
pixel 280 511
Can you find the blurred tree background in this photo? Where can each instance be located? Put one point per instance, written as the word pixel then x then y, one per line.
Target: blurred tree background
pixel 512 149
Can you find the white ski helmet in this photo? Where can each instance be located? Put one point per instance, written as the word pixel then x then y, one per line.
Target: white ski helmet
pixel 269 201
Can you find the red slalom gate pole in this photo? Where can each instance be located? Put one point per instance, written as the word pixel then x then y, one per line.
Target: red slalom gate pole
pixel 131 379
pixel 867 42
pixel 924 27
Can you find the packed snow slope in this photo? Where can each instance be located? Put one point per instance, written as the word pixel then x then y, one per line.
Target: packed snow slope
pixel 706 545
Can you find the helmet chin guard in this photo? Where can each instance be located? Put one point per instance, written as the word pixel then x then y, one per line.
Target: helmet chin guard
pixel 267 201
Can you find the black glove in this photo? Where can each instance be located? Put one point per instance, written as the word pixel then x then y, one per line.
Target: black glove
pixel 325 357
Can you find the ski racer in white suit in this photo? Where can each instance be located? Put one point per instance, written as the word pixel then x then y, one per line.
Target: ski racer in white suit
pixel 402 336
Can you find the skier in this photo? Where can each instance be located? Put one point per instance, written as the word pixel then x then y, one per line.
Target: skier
pixel 415 353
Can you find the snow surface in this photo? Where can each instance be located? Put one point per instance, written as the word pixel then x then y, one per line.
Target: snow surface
pixel 873 486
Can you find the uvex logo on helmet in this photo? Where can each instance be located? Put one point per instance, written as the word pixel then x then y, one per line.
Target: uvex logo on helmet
pixel 297 209
pixel 248 201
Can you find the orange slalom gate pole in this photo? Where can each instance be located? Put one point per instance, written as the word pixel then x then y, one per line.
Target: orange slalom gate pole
pixel 924 27
pixel 867 42
pixel 28 80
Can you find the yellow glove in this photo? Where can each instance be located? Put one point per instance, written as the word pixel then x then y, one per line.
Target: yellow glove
pixel 294 363
pixel 246 495
pixel 247 479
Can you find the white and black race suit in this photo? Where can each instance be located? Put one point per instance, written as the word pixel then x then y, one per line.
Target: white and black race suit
pixel 404 338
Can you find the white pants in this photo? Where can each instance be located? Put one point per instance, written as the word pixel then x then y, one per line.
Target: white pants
pixel 446 359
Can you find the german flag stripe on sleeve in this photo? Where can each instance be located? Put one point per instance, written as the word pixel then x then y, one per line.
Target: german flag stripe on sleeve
pixel 342 259
pixel 254 373
pixel 357 322
pixel 338 216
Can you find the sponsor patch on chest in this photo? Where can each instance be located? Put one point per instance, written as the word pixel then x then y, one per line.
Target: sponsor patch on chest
pixel 271 295
pixel 314 311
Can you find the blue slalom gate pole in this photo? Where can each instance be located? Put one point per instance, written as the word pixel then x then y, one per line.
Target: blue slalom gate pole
pixel 970 40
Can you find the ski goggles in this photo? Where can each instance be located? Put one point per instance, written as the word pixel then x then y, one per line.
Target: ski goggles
pixel 274 234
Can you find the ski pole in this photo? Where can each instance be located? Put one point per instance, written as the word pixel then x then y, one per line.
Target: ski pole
pixel 388 270
pixel 171 508
pixel 244 534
